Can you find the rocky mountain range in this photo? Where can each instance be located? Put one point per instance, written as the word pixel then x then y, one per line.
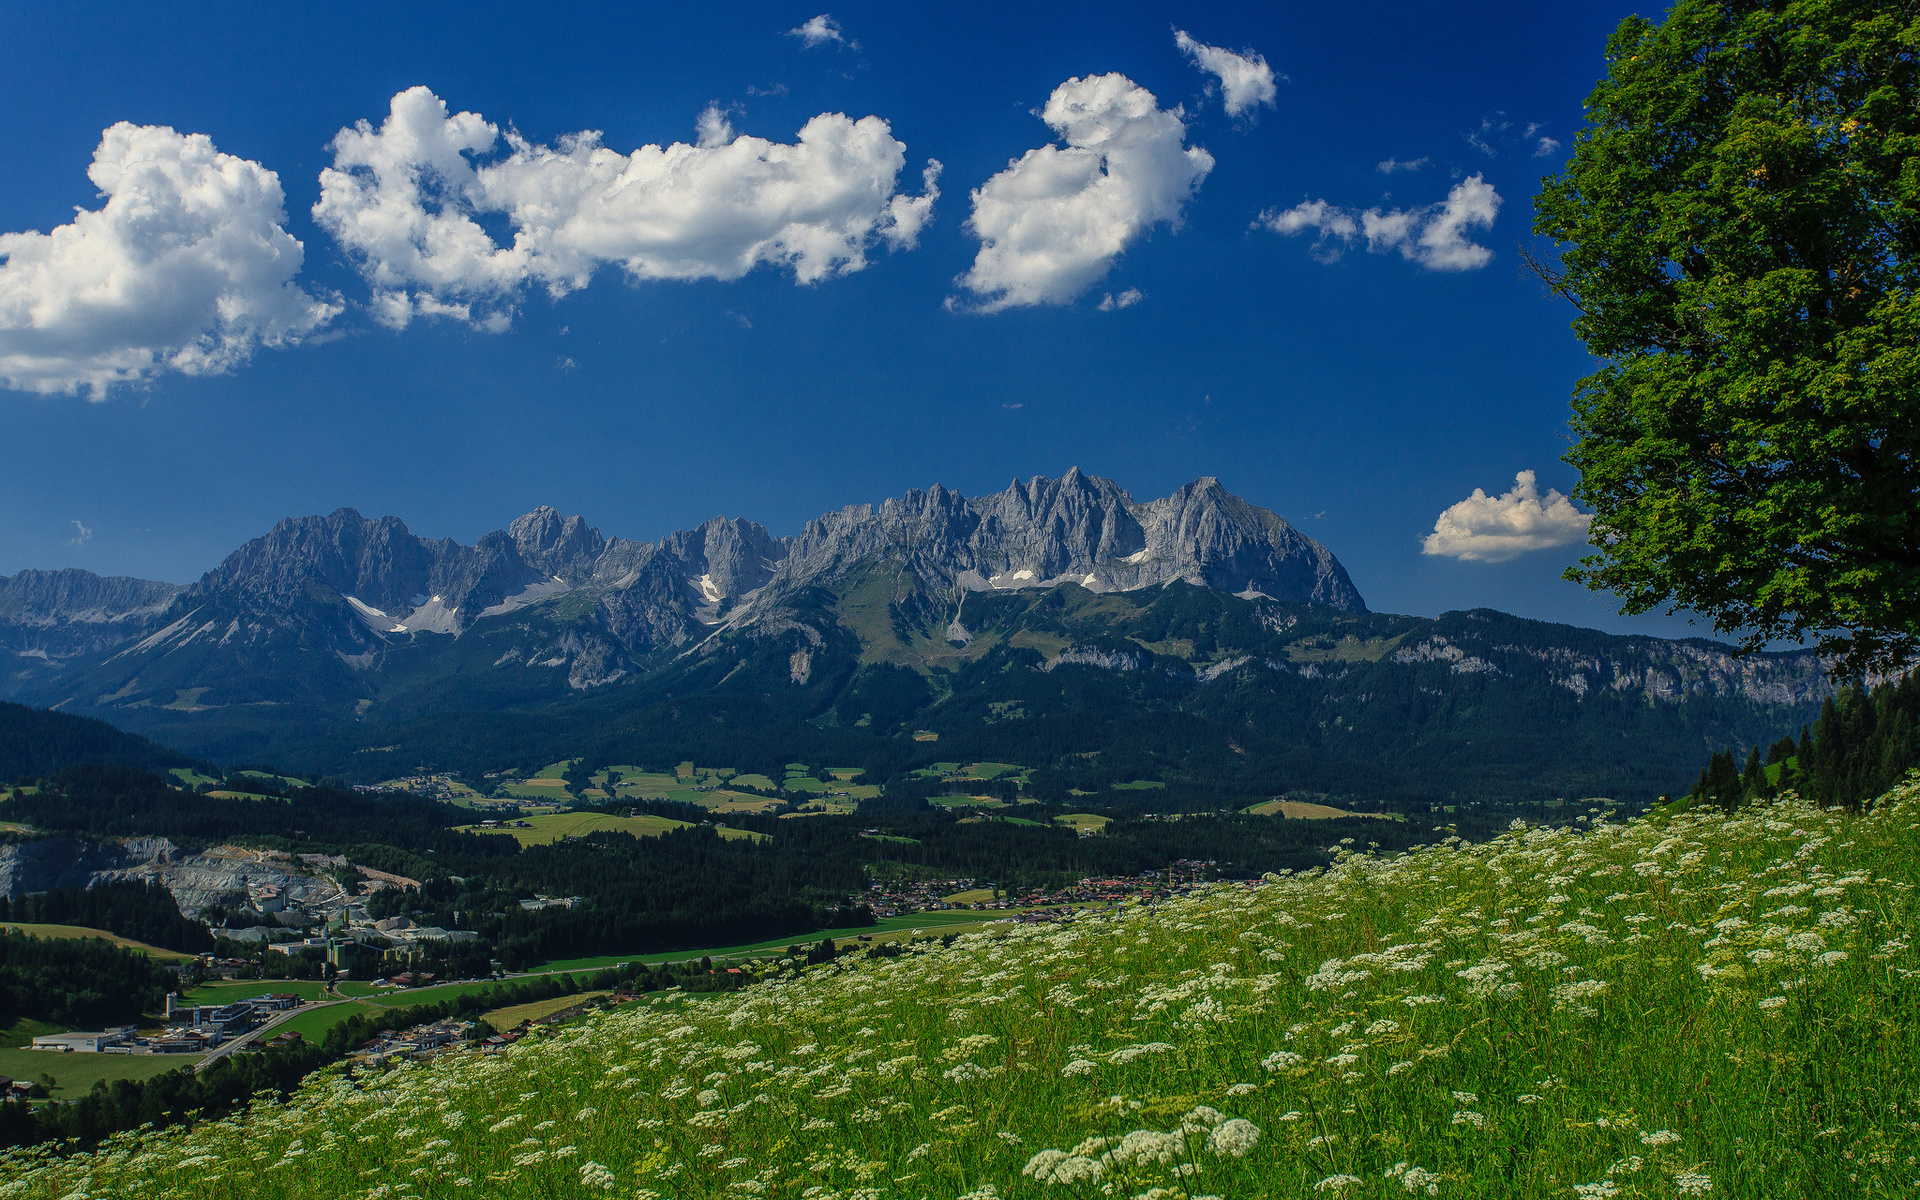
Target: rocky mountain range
pixel 52 616
pixel 358 586
pixel 330 632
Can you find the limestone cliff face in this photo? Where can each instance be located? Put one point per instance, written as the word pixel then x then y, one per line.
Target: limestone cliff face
pixel 1080 529
pixel 356 585
pixel 50 616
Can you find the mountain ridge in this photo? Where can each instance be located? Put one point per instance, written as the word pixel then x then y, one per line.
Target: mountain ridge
pixel 1055 603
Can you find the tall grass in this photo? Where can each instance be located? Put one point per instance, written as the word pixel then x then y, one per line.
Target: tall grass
pixel 1686 1006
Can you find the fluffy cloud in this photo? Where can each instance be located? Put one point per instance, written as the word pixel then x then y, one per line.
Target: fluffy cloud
pixel 1246 81
pixel 1126 299
pixel 819 31
pixel 1434 236
pixel 404 200
pixel 185 267
pixel 1053 222
pixel 1485 528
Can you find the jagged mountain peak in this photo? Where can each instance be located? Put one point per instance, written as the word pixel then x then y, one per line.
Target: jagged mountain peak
pixel 563 547
pixel 357 586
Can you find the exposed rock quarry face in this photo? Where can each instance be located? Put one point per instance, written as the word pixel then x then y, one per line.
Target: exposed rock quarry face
pixel 196 878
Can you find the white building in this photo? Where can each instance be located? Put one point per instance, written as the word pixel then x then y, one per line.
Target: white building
pixel 83 1043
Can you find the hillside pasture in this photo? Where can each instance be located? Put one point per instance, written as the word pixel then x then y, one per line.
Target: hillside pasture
pixel 226 991
pixel 1092 821
pixel 512 1015
pixel 65 932
pixel 548 828
pixel 1550 1012
pixel 75 1074
pixel 1299 810
pixel 966 801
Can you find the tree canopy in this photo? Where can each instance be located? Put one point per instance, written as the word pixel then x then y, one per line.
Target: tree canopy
pixel 1738 226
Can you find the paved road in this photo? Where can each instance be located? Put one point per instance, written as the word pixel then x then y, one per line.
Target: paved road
pixel 230 1045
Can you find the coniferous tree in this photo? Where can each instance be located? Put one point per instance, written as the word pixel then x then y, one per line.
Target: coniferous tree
pixel 1753 777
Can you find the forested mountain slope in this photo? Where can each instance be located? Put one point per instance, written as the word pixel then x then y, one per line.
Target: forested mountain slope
pixel 1059 624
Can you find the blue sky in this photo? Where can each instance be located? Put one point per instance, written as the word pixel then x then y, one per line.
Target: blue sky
pixel 1358 387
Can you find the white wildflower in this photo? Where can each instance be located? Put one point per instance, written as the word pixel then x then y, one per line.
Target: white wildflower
pixel 593 1175
pixel 1234 1138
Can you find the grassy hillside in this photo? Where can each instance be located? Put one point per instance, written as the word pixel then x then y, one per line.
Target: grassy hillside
pixel 553 827
pixel 82 931
pixel 1696 1005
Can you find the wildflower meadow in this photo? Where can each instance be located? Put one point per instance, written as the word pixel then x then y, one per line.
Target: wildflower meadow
pixel 1700 1005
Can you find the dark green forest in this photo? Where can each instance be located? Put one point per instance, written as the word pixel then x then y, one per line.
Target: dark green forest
pixel 145 912
pixel 36 742
pixel 1863 743
pixel 84 982
pixel 1181 684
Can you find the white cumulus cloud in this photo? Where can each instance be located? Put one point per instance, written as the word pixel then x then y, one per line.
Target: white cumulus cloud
pixel 820 30
pixel 1126 299
pixel 404 200
pixel 184 267
pixel 1246 81
pixel 1054 221
pixel 1435 236
pixel 1485 528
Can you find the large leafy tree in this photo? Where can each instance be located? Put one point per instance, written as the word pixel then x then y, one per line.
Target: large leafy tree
pixel 1739 228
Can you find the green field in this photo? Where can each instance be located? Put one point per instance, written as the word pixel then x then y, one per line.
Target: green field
pixel 966 802
pixel 1091 821
pixel 23 1030
pixel 992 770
pixel 81 931
pixel 546 828
pixel 507 1018
pixel 314 1023
pixel 227 991
pixel 552 827
pixel 1296 810
pixel 287 780
pixel 886 929
pixel 75 1074
pixel 402 997
pixel 757 781
pixel 1138 785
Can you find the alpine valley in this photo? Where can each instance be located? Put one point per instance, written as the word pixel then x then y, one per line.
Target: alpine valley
pixel 1195 641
